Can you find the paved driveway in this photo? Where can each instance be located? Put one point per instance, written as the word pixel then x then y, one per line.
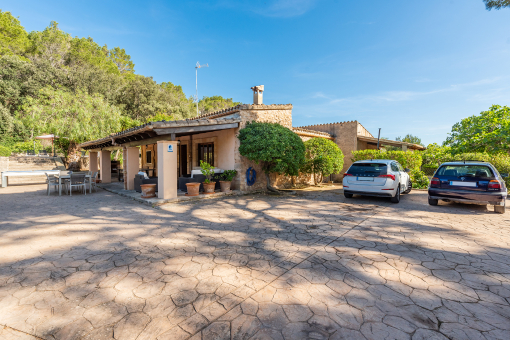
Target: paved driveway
pixel 314 266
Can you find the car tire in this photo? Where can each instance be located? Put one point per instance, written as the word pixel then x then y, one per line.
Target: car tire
pixel 396 198
pixel 500 209
pixel 433 201
pixel 346 195
pixel 409 187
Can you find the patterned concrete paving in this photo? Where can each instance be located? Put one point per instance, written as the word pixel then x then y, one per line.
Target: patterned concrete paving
pixel 314 266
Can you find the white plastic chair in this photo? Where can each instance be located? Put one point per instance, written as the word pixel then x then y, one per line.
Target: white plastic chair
pixel 92 181
pixel 52 181
pixel 77 181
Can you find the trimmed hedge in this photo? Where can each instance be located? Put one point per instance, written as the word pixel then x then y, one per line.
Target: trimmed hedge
pixel 408 159
pixel 4 151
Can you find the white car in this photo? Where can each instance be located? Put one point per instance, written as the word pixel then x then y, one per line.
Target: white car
pixel 377 177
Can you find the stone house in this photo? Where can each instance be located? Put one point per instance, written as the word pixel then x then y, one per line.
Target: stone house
pixel 169 149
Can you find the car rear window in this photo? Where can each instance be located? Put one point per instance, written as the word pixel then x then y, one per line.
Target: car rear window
pixel 368 169
pixel 465 170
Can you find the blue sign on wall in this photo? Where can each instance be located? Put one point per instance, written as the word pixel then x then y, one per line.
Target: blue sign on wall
pixel 170 148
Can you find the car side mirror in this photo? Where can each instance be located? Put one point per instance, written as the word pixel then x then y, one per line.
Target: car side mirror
pixel 505 175
pixel 407 170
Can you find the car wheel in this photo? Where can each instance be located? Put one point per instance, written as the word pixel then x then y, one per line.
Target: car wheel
pixel 396 198
pixel 433 201
pixel 409 187
pixel 347 195
pixel 500 209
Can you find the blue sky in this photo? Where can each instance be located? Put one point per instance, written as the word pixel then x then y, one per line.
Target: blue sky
pixel 404 66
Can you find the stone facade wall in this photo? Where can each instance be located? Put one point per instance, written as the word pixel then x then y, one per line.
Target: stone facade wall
pixel 281 114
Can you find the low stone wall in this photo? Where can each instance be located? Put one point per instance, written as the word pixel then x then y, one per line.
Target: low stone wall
pixel 29 163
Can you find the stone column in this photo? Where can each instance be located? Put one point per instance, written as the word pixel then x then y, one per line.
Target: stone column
pixel 167 169
pixel 93 161
pixel 404 147
pixel 106 166
pixel 131 167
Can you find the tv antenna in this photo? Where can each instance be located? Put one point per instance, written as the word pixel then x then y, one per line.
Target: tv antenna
pixel 197 66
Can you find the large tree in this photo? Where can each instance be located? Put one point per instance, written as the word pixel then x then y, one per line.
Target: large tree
pixel 496 4
pixel 214 103
pixel 13 37
pixel 487 132
pixel 275 147
pixel 77 116
pixel 322 158
pixel 409 138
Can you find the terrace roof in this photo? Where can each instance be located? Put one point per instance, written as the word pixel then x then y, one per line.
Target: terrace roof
pixel 153 131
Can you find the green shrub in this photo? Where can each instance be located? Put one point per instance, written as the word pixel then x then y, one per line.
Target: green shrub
pixel 419 179
pixel 4 151
pixel 228 175
pixel 408 159
pixel 207 170
pixel 502 163
pixel 322 158
pixel 277 148
pixel 23 147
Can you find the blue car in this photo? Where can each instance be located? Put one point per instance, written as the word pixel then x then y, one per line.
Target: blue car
pixel 469 181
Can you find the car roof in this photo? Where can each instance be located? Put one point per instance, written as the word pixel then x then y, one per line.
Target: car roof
pixel 385 161
pixel 467 163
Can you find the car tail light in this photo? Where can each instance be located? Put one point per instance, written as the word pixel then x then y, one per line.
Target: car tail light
pixel 388 176
pixel 346 174
pixel 435 182
pixel 494 185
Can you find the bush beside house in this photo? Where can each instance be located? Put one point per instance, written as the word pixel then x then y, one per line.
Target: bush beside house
pixel 322 158
pixel 277 148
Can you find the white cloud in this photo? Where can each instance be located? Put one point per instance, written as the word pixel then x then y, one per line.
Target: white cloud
pixel 400 96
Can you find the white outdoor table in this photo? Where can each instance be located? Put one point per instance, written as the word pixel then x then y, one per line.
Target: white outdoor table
pixel 60 177
pixel 6 174
pixel 199 172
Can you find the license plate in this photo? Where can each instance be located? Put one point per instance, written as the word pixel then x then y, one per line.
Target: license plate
pixel 365 179
pixel 463 184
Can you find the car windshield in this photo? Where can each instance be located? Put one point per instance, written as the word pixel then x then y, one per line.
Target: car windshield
pixel 465 170
pixel 372 169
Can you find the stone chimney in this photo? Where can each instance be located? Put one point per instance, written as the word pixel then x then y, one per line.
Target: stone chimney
pixel 257 94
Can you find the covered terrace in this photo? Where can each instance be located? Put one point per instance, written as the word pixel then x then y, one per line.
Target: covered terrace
pixel 166 150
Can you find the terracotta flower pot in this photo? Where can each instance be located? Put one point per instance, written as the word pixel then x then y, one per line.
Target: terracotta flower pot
pixel 148 190
pixel 193 189
pixel 225 186
pixel 209 188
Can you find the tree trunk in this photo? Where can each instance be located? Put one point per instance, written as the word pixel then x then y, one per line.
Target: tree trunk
pixel 73 157
pixel 269 186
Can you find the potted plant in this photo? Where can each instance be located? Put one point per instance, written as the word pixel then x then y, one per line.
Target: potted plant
pixel 193 189
pixel 227 176
pixel 208 171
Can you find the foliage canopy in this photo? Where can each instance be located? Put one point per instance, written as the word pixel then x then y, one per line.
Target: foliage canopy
pixel 322 158
pixel 409 138
pixel 78 116
pixel 487 132
pixel 54 59
pixel 496 4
